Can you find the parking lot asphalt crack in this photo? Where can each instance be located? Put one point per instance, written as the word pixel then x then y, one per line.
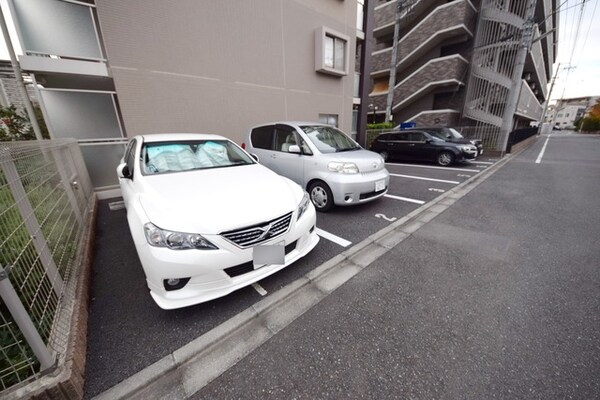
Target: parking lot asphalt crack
pixel 196 364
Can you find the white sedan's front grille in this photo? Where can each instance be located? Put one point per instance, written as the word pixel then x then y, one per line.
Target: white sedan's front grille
pixel 256 234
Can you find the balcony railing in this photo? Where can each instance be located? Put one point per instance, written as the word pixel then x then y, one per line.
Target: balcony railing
pixel 437 73
pixel 447 21
pixel 539 65
pixel 529 106
pixel 385 14
pixel 66 43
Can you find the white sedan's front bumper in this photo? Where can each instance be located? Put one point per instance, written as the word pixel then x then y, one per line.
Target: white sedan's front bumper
pixel 207 268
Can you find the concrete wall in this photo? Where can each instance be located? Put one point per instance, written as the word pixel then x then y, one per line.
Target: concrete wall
pixel 223 66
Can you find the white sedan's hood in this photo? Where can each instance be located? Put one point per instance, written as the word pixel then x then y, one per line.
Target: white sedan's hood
pixel 216 200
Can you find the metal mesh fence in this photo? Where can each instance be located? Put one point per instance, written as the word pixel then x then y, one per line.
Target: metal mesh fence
pixel 45 194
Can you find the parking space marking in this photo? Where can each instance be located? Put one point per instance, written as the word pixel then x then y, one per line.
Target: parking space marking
pixel 404 199
pixel 464 176
pixel 389 219
pixel 425 179
pixel 436 190
pixel 539 159
pixel 333 238
pixel 482 162
pixel 433 167
pixel 259 289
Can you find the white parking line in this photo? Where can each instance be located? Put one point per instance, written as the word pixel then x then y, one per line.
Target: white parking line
pixel 539 159
pixel 432 167
pixel 425 179
pixel 259 289
pixel 408 200
pixel 482 162
pixel 333 238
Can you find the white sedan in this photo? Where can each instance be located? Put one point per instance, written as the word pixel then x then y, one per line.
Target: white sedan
pixel 207 219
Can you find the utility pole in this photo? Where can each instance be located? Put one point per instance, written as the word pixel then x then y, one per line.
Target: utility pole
pixel 365 68
pixel 393 62
pixel 515 90
pixel 568 69
pixel 19 79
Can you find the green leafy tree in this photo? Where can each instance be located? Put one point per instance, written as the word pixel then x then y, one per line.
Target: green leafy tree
pixel 591 123
pixel 14 124
pixel 380 125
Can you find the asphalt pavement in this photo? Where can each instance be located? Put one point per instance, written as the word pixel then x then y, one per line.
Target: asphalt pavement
pixel 496 295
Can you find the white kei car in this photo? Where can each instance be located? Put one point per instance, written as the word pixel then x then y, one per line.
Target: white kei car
pixel 207 219
pixel 332 167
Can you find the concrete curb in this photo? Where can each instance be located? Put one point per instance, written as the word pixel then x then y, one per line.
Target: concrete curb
pixel 190 368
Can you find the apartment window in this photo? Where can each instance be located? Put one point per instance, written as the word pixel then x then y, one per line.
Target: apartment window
pixel 329 119
pixel 335 52
pixel 331 52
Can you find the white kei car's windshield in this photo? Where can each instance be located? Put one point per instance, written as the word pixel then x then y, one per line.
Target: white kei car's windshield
pixel 187 155
pixel 329 139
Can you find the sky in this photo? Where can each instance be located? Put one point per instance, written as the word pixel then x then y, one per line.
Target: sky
pixel 578 47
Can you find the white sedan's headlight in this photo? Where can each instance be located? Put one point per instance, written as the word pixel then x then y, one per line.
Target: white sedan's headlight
pixel 303 205
pixel 343 167
pixel 175 240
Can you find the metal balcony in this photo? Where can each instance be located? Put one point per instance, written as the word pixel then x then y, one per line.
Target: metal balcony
pixel 440 73
pixel 529 107
pixel 451 20
pixel 66 43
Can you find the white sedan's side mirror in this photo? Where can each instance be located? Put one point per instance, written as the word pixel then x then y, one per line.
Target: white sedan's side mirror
pixel 123 171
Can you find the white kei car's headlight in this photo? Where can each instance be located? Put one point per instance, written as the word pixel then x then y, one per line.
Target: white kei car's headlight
pixel 343 167
pixel 175 240
pixel 303 205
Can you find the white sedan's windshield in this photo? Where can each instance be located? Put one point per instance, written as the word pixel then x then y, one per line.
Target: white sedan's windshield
pixel 191 155
pixel 329 139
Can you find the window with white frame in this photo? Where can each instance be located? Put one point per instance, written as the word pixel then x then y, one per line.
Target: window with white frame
pixel 335 52
pixel 331 52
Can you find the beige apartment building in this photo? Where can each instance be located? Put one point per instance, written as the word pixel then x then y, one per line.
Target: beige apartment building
pixel 455 61
pixel 565 113
pixel 107 70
